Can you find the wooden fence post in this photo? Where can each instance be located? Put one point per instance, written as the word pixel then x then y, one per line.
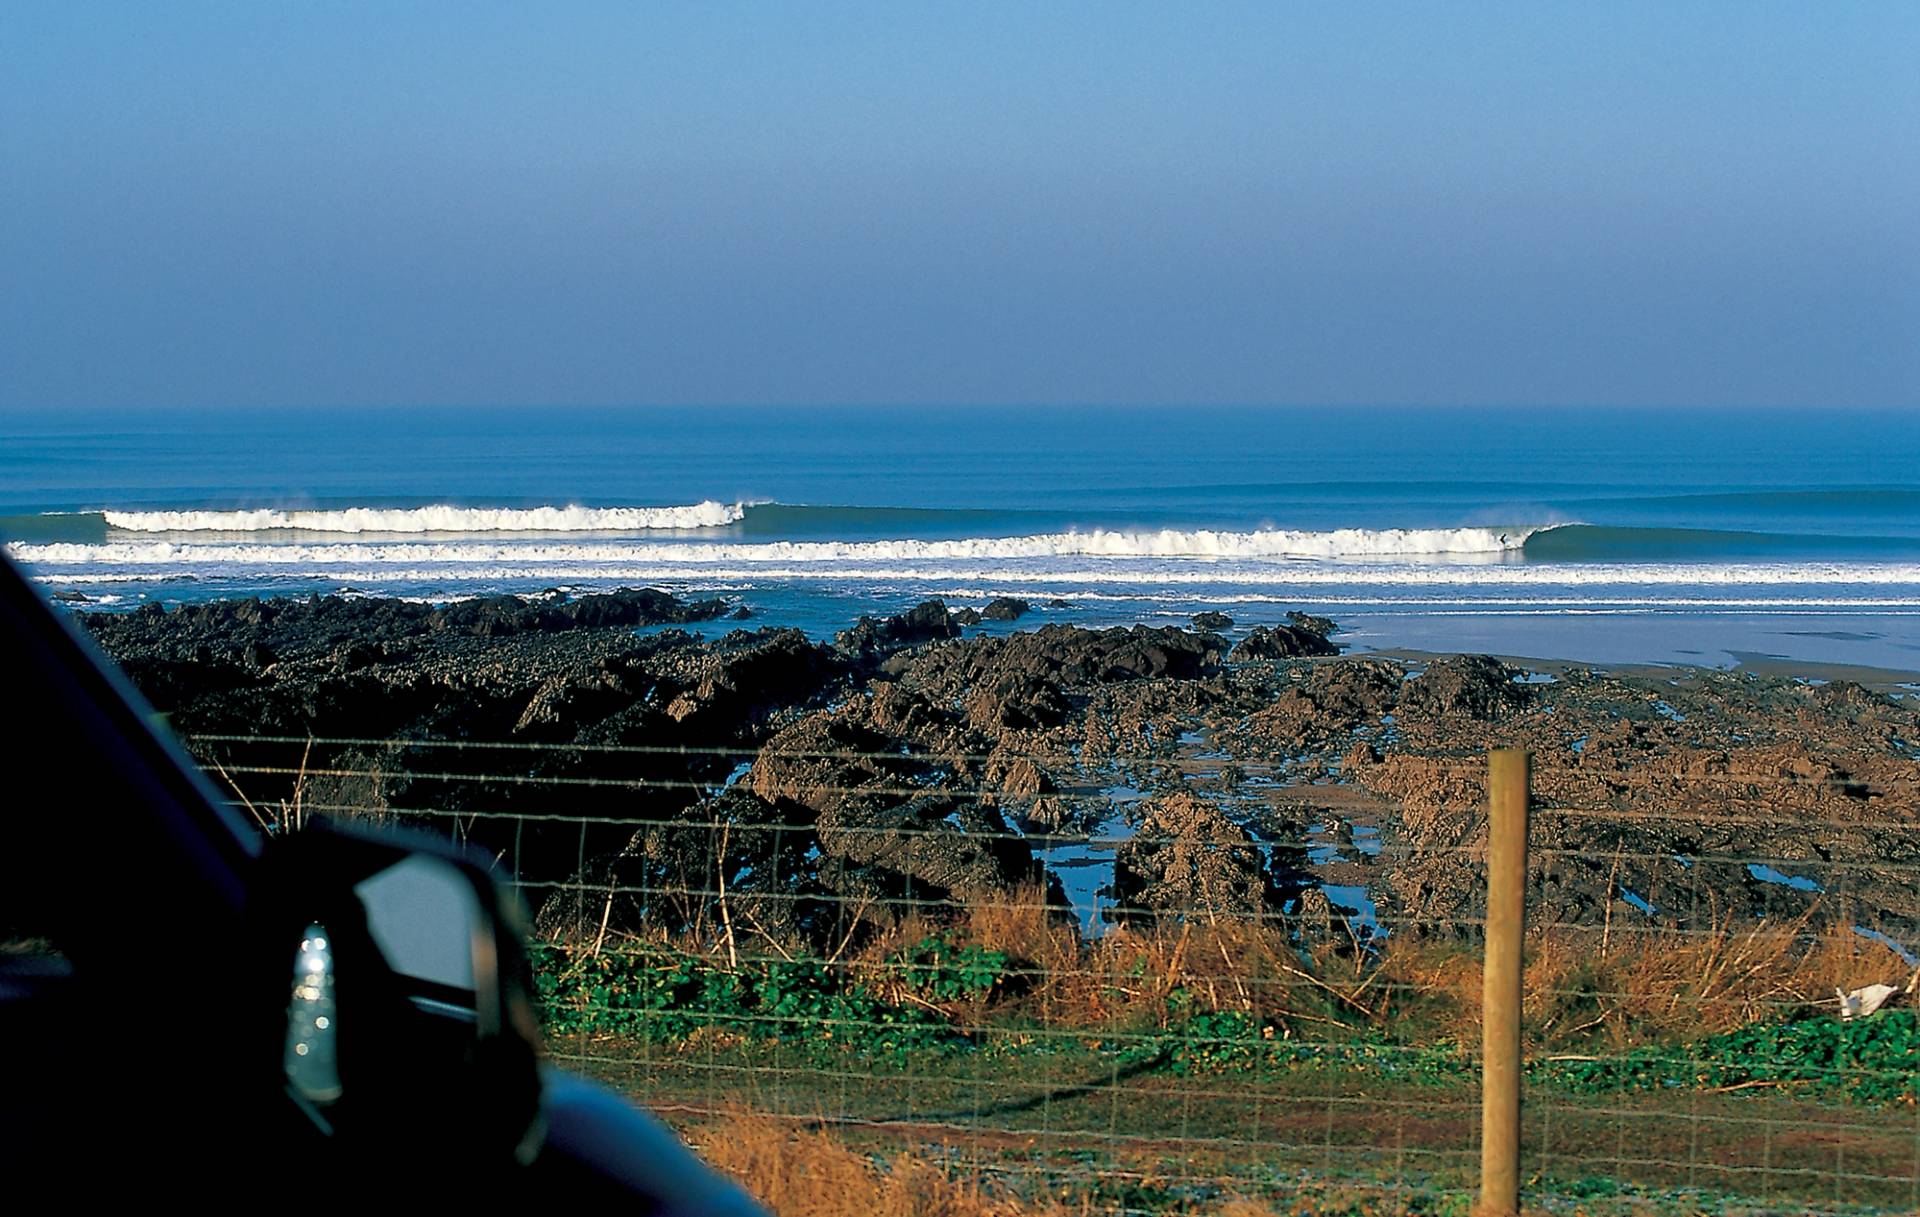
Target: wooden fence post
pixel 1509 784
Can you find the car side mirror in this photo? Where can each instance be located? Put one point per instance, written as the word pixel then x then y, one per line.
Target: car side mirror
pixel 402 1012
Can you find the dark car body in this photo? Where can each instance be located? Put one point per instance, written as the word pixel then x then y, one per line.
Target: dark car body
pixel 144 999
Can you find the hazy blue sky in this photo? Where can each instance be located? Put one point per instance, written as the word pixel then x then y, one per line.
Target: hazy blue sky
pixel 261 203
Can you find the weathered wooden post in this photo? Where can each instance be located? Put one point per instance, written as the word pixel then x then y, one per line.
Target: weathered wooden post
pixel 1509 785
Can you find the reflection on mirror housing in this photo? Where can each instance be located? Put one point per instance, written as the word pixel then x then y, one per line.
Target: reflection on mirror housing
pixel 312 1066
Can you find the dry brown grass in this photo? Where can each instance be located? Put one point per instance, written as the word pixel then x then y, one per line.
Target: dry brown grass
pixel 798 1171
pixel 1128 973
pixel 1586 986
pixel 1025 928
pixel 803 1172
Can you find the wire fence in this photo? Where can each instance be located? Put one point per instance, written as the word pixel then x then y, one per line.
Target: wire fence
pixel 1152 981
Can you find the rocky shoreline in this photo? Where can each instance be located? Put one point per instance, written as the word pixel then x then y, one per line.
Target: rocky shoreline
pixel 638 777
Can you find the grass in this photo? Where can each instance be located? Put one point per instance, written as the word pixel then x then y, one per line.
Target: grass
pixel 1202 996
pixel 1071 1126
pixel 801 1170
pixel 998 1064
pixel 811 1173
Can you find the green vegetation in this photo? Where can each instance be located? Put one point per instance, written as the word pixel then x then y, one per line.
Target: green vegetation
pixel 936 997
pixel 1872 1060
pixel 659 995
pixel 938 970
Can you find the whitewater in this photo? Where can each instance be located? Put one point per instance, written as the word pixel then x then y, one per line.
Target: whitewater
pixel 1098 543
pixel 439 517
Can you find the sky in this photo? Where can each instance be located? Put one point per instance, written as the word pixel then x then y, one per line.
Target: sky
pixel 260 205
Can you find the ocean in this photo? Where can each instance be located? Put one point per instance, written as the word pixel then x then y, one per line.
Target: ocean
pixel 1688 536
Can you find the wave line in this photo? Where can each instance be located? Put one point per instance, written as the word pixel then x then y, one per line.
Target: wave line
pixel 1100 543
pixel 440 517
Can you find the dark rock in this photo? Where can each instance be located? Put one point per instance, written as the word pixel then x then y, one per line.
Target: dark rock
pixel 1334 699
pixel 1281 642
pixel 500 616
pixel 1314 914
pixel 933 847
pixel 1019 776
pixel 1476 686
pixel 1355 690
pixel 1005 608
pixel 924 622
pixel 821 761
pixel 847 782
pixel 1016 702
pixel 893 709
pixel 328 666
pixel 1847 694
pixel 966 616
pixel 1212 621
pixel 1189 859
pixel 1069 656
pixel 1311 624
pixel 770 881
pixel 1057 603
pixel 885 775
pixel 743 613
pixel 322 623
pixel 743 678
pixel 565 700
pixel 353 656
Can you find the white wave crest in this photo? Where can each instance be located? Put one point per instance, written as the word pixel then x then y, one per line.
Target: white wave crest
pixel 438 518
pixel 937 562
pixel 1350 543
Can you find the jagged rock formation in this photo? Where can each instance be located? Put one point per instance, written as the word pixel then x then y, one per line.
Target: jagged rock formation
pixel 633 775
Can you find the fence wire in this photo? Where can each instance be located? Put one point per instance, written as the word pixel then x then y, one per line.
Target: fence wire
pixel 1152 981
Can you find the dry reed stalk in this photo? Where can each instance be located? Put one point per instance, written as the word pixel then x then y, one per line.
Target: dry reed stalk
pixel 726 915
pixel 242 796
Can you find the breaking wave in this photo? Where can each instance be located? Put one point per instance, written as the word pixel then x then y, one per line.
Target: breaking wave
pixel 1354 543
pixel 440 517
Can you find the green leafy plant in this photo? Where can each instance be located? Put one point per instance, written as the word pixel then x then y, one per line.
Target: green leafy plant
pixel 940 971
pixel 658 995
pixel 1868 1060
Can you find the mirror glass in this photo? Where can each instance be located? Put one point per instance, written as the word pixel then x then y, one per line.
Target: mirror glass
pixel 427 922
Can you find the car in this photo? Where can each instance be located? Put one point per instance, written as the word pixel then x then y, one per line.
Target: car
pixel 192 1008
